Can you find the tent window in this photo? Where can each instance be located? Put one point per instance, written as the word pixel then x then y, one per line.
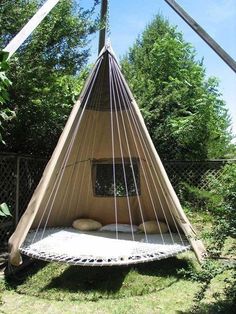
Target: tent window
pixel 103 178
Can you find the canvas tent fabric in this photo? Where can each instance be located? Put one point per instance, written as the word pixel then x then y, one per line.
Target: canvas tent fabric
pixel 105 133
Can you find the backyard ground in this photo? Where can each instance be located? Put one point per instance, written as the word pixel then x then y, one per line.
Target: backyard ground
pixel 174 285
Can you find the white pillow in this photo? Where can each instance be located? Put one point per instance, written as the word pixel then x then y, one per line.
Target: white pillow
pixel 119 228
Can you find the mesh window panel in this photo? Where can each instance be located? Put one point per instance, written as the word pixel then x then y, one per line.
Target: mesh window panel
pixel 123 182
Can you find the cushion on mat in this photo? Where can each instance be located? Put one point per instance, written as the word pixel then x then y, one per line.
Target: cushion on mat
pixel 119 228
pixel 152 226
pixel 86 224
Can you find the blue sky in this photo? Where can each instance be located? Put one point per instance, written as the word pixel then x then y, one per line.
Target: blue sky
pixel 128 18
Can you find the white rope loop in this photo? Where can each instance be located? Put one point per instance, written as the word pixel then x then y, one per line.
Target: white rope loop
pixel 58 180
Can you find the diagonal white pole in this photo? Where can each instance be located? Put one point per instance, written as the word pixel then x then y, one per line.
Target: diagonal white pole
pixel 18 40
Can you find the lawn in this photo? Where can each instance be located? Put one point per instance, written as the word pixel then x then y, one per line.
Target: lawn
pixel 173 285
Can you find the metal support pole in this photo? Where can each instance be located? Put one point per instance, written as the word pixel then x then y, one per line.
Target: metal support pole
pixel 203 34
pixel 103 19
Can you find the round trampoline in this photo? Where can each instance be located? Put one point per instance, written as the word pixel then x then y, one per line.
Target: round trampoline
pixel 100 248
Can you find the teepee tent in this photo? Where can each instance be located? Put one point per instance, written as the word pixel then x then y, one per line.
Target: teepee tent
pixel 104 167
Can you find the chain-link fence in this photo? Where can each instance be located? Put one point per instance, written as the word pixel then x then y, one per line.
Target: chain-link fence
pixel 19 176
pixel 195 173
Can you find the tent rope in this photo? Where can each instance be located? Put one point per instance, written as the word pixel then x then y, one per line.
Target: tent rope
pixel 121 80
pixel 121 152
pixel 66 157
pixel 144 172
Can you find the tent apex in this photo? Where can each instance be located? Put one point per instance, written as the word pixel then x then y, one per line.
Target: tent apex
pixel 107 48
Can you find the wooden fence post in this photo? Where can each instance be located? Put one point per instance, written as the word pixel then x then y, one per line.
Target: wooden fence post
pixel 17 189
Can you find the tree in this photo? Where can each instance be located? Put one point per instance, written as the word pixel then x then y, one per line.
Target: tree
pixel 47 72
pixel 5 113
pixel 183 110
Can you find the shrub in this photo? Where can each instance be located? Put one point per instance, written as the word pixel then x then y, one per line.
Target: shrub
pixel 219 200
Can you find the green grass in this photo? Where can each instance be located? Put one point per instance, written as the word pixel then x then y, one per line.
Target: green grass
pixel 158 287
pixel 56 281
pixel 175 285
pixel 155 287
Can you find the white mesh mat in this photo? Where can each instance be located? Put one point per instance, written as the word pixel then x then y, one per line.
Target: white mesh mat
pixel 100 248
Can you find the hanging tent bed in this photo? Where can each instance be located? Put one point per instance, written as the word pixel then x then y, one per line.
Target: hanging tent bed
pixel 104 168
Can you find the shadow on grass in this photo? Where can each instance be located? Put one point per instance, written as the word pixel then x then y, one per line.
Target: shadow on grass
pixel 165 267
pixel 13 280
pixel 220 304
pixel 217 307
pixel 63 282
pixel 103 279
pixel 110 280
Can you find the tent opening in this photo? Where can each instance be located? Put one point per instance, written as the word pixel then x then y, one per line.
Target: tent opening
pixel 126 175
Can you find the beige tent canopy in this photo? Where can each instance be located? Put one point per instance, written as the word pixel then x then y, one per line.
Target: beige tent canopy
pixel 104 167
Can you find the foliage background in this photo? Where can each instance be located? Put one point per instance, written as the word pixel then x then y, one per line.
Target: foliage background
pixel 183 110
pixel 5 113
pixel 47 72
